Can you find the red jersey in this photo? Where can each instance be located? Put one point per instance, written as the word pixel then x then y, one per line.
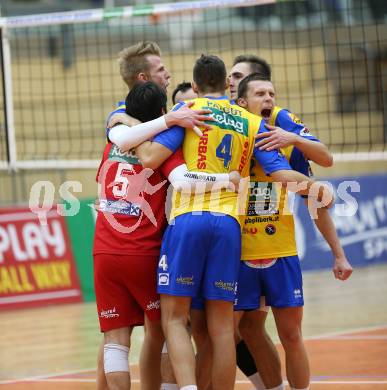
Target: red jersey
pixel 131 213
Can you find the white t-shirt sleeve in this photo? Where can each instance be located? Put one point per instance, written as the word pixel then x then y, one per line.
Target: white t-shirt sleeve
pixel 184 180
pixel 126 137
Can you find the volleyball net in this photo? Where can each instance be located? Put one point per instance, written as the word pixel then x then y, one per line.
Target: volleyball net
pixel 60 76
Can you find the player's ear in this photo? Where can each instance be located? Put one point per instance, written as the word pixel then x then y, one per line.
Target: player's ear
pixel 142 77
pixel 242 102
pixel 194 87
pixel 227 84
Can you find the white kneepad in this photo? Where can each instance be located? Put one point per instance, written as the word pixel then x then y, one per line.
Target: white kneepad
pixel 115 358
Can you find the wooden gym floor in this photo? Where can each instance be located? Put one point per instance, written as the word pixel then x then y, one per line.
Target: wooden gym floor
pixel 345 326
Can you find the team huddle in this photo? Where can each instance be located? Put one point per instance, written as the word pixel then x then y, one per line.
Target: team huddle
pixel 195 234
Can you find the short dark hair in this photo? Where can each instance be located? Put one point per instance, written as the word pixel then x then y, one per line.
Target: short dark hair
pixel 257 64
pixel 146 101
pixel 244 84
pixel 182 87
pixel 209 74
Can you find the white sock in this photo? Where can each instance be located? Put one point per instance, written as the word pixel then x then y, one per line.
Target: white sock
pixel 169 386
pixel 280 387
pixel 256 380
pixel 306 388
pixel 189 387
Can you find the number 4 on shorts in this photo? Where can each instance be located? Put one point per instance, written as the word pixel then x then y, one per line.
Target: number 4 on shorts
pixel 163 263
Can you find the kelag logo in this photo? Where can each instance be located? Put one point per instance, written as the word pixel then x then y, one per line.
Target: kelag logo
pixel 229 122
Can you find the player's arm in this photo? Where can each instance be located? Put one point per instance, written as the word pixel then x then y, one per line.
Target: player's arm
pixel 126 137
pixel 118 116
pixel 341 268
pixel 278 138
pixel 291 133
pixel 303 185
pixel 321 217
pixel 278 168
pixel 176 170
pixel 276 165
pixel 183 179
pixel 152 154
pixel 122 118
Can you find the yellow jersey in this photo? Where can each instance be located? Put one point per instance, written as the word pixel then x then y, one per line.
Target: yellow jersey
pixel 227 146
pixel 268 230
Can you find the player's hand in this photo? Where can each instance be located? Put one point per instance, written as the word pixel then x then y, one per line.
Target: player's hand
pixel 321 193
pixel 342 269
pixel 185 117
pixel 234 178
pixel 276 138
pixel 122 118
pixel 325 195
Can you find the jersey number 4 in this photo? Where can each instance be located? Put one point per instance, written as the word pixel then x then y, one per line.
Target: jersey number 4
pixel 223 151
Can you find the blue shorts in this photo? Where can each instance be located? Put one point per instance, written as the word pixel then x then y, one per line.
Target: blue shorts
pixel 200 256
pixel 279 280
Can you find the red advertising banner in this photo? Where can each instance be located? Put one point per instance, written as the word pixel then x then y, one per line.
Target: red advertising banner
pixel 36 261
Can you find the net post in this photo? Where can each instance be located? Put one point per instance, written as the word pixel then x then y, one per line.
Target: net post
pixel 6 71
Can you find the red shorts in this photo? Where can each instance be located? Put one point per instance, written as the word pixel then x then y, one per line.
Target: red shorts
pixel 125 289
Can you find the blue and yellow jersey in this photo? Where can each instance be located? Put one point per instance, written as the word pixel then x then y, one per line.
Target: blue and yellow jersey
pixel 227 147
pixel 268 230
pixel 283 118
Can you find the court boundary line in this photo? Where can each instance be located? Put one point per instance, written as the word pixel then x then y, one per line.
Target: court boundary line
pixel 357 337
pixel 42 377
pixel 47 376
pixel 346 332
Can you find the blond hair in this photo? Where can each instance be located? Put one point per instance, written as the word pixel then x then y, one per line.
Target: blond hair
pixel 133 60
